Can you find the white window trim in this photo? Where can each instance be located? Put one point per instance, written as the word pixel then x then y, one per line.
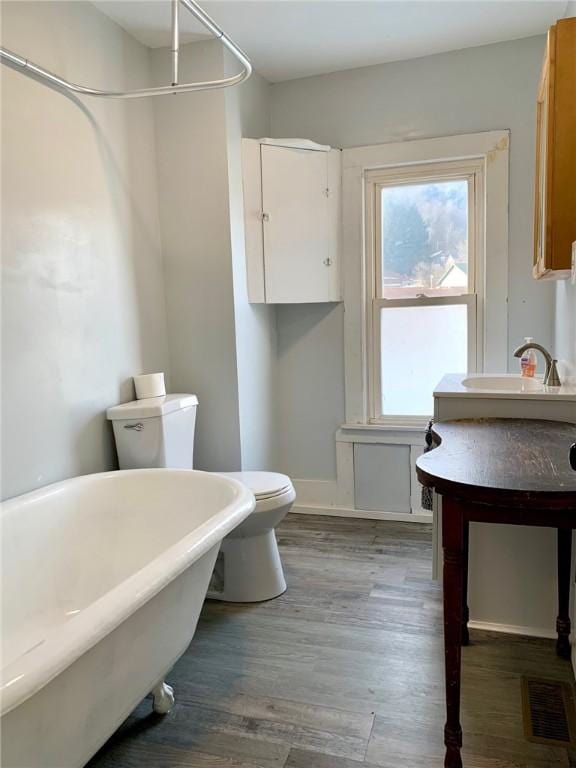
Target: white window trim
pixel 491 149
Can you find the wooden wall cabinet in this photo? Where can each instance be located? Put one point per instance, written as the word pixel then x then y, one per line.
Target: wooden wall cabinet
pixel 555 198
pixel 292 222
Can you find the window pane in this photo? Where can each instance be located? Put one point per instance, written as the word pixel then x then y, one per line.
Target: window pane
pixel 425 239
pixel 419 345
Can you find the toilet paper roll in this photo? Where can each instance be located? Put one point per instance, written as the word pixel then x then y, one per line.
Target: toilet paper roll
pixel 149 385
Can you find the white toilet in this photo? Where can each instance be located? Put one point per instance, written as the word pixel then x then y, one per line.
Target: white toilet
pixel 159 432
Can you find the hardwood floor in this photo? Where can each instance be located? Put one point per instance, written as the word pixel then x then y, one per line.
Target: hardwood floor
pixel 344 670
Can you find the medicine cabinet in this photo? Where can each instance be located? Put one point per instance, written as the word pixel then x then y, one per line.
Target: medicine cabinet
pixel 292 220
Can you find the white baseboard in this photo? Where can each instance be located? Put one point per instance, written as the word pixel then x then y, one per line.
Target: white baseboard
pixel 513 629
pixel 335 498
pixel 366 514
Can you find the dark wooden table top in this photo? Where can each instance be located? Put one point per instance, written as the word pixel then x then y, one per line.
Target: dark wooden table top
pixel 524 462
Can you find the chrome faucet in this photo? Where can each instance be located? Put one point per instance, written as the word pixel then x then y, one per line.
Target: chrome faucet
pixel 551 378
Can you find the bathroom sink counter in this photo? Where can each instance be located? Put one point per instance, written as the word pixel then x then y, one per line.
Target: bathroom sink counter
pixel 512 461
pixel 497 471
pixel 452 385
pixel 522 559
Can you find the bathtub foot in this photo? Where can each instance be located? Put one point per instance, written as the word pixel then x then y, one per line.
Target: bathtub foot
pixel 162 698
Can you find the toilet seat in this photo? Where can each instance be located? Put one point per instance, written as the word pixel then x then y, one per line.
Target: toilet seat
pixel 264 485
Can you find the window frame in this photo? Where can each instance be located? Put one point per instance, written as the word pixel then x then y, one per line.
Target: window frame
pixel 471 171
pixel 491 149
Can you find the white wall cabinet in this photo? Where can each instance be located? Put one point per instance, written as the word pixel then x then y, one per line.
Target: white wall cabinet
pixel 292 222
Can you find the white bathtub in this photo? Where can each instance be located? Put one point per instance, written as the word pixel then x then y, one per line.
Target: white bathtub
pixel 103 579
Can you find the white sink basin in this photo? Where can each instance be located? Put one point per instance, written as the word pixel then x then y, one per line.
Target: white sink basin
pixel 503 383
pixel 508 386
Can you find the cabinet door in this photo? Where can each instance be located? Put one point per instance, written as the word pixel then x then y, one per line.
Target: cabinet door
pixel 542 197
pixel 297 258
pixel 555 198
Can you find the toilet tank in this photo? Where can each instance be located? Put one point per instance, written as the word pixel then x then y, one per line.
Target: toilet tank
pixel 156 432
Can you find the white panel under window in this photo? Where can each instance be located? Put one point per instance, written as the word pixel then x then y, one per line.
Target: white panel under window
pixel 382 477
pixel 418 346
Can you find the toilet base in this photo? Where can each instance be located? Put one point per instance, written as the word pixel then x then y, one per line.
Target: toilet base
pixel 248 570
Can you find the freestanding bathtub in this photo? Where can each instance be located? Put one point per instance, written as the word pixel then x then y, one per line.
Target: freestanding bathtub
pixel 103 579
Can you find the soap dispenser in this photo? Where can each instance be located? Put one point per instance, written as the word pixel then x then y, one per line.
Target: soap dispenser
pixel 528 361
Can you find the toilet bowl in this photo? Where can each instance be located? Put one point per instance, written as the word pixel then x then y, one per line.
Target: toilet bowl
pixel 159 432
pixel 248 568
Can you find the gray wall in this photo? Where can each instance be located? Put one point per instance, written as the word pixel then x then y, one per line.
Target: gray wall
pixel 309 388
pixel 221 348
pixel 476 89
pixel 83 299
pixel 194 214
pixel 248 115
pixel 565 330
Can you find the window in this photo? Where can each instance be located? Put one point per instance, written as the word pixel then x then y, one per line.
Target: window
pixel 413 314
pixel 424 225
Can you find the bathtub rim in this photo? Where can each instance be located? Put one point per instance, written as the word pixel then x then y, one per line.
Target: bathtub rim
pixel 31 672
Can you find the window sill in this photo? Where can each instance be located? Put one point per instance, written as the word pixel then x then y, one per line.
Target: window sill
pixel 395 434
pixel 416 426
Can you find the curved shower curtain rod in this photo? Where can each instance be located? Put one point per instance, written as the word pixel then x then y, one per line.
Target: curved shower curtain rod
pixel 34 70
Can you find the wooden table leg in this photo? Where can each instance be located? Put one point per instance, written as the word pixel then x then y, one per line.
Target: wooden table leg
pixel 453 545
pixel 564 567
pixel 465 610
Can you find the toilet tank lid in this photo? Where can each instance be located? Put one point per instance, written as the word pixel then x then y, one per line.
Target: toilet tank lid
pixel 151 406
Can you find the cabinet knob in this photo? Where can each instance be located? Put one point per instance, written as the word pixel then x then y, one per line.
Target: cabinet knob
pixel 265 217
pixel 327 262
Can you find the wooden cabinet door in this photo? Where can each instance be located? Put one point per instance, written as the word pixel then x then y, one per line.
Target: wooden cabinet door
pixel 555 188
pixel 295 221
pixel 541 199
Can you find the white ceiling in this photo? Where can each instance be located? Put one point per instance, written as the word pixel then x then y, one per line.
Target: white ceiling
pixel 286 39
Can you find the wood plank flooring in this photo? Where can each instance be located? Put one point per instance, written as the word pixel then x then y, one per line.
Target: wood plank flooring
pixel 343 671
